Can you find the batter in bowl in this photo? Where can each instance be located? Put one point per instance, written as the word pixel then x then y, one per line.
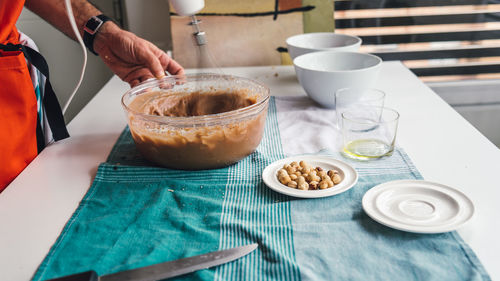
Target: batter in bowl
pixel 210 145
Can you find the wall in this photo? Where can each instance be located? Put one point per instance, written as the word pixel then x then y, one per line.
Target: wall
pixel 250 32
pixel 149 19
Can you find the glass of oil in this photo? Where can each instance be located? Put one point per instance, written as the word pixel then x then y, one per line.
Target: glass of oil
pixel 369 132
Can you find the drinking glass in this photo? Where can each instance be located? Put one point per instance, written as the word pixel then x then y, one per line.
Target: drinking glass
pixel 347 98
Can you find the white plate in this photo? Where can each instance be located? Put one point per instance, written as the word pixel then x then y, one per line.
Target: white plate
pixel 418 206
pixel 347 173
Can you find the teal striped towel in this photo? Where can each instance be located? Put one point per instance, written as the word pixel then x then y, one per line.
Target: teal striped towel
pixel 136 215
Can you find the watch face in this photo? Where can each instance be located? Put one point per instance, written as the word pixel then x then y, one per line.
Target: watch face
pixel 93 23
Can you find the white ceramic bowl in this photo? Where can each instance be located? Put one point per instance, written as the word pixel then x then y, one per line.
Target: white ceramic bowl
pixel 321 41
pixel 321 74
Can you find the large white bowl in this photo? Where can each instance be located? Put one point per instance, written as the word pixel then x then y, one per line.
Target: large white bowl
pixel 321 41
pixel 321 74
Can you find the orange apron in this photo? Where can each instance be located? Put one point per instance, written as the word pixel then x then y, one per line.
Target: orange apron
pixel 19 126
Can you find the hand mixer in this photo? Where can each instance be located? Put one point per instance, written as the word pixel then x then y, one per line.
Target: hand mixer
pixel 190 8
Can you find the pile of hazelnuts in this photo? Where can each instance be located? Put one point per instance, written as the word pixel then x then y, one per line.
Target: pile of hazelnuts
pixel 305 177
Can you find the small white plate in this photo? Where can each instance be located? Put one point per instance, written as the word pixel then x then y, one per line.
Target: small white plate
pixel 418 206
pixel 347 173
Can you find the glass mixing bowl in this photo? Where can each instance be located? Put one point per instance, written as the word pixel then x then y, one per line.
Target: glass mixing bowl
pixel 193 130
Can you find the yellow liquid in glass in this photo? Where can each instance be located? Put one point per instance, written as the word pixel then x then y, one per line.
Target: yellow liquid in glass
pixel 367 149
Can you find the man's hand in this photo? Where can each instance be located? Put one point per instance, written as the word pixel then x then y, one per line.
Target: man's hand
pixel 133 59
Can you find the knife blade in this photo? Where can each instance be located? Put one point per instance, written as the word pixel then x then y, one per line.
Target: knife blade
pixel 166 269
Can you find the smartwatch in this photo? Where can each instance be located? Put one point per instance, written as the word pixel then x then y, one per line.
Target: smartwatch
pixel 91 28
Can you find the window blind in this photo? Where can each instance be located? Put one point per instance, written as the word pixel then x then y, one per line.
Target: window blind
pixel 439 40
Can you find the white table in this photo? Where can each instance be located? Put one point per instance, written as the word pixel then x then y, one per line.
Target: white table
pixel 443 146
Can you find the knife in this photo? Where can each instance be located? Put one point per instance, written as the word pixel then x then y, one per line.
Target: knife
pixel 166 269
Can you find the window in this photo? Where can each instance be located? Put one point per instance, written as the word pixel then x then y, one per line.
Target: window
pixel 439 40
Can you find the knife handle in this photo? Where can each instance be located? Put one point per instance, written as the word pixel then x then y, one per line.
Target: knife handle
pixel 84 276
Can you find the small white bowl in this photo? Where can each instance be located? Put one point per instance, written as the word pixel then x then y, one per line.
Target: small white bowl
pixel 321 41
pixel 321 74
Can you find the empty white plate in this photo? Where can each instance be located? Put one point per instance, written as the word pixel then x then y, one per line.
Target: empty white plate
pixel 418 206
pixel 347 173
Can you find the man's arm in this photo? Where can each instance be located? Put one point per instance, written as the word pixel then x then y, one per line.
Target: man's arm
pixel 54 12
pixel 132 58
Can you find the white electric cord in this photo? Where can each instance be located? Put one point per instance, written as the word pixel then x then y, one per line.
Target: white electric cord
pixel 71 18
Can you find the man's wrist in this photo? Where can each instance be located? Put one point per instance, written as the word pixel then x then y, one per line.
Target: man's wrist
pixel 92 29
pixel 106 34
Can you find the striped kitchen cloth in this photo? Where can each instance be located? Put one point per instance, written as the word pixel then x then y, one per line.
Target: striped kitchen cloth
pixel 135 215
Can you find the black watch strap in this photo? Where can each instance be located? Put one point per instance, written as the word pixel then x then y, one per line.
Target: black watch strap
pixel 91 28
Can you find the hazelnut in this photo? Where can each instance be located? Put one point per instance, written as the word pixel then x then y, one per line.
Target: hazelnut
pixel 336 179
pixel 292 184
pixel 303 186
pixel 313 185
pixel 323 185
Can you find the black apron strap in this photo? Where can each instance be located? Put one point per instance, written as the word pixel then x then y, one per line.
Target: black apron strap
pixel 40 137
pixel 53 110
